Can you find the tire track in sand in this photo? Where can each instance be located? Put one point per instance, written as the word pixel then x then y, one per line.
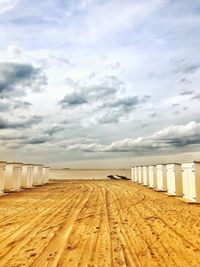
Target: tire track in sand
pixel 125 245
pixel 51 255
pixel 162 232
pixel 15 241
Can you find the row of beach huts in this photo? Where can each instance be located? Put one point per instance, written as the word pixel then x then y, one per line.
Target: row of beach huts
pixel 15 176
pixel 181 180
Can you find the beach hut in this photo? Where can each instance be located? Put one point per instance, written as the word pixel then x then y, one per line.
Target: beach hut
pixel 37 174
pixel 136 174
pixel 161 177
pixel 174 179
pixel 45 173
pixel 133 174
pixel 191 181
pixel 140 175
pixel 13 171
pixel 152 177
pixel 145 172
pixel 2 175
pixel 27 176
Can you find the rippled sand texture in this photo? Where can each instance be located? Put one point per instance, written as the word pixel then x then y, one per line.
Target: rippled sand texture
pixel 98 223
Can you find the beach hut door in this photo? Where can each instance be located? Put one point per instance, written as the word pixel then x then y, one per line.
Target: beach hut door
pixel 188 177
pixel 159 179
pixel 171 181
pixel 192 185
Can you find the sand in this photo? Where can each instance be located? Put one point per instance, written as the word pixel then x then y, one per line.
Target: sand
pixel 98 223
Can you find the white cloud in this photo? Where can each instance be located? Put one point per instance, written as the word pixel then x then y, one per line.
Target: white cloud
pixel 167 139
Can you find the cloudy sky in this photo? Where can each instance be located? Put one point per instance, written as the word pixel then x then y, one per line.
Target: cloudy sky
pixel 99 83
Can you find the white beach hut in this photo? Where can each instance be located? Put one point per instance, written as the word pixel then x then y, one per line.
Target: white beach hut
pixel 40 174
pixel 136 174
pixel 45 173
pixel 27 176
pixel 161 177
pixel 133 174
pixel 191 181
pixel 140 175
pixel 37 174
pixel 13 171
pixel 145 172
pixel 174 179
pixel 152 177
pixel 2 175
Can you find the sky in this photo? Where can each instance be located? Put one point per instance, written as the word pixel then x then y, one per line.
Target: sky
pixel 99 83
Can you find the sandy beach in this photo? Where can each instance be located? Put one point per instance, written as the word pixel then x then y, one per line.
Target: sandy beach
pixel 97 223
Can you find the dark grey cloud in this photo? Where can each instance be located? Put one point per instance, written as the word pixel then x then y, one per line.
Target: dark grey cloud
pixel 16 78
pixel 34 120
pixel 126 103
pixel 186 92
pixel 186 67
pixel 9 105
pixel 72 100
pixel 52 130
pixel 21 104
pixel 6 124
pixel 104 99
pixel 196 97
pixel 119 108
pixel 108 118
pixel 36 140
pixel 99 92
pixel 185 81
pixel 83 94
pixel 190 68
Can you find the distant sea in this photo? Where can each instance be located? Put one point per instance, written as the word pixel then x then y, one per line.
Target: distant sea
pixel 61 174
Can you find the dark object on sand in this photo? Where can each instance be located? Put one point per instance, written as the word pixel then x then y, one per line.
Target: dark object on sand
pixel 112 177
pixel 123 177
